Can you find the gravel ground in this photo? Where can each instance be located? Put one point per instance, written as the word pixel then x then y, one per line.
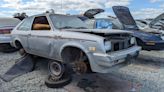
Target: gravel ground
pixel 148 73
pixel 147 76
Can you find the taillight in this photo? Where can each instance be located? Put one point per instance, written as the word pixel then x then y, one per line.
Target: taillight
pixel 5 31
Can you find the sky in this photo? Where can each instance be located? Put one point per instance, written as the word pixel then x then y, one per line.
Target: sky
pixel 139 8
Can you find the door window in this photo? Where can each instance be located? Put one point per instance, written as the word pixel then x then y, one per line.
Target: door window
pixel 40 24
pixel 26 25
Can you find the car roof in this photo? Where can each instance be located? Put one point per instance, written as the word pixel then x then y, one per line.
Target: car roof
pixel 9 22
pixel 45 14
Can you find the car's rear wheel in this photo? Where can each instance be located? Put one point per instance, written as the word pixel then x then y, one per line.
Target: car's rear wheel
pixel 7 48
pixel 22 52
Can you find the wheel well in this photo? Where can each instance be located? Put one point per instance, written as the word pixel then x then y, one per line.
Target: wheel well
pixel 73 54
pixel 70 54
pixel 18 44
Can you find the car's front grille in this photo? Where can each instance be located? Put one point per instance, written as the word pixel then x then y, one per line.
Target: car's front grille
pixel 120 44
pixel 119 41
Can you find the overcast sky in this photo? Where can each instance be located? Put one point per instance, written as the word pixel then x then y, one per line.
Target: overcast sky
pixel 139 8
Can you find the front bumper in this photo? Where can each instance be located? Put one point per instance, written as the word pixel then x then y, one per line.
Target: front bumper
pixel 5 39
pixel 102 62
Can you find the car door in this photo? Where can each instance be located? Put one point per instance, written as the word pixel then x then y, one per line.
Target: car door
pixel 40 41
pixel 24 30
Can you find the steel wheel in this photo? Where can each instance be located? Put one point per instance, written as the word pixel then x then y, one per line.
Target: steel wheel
pixel 56 69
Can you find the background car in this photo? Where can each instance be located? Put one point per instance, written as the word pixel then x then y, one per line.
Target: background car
pixel 6 26
pixel 148 38
pixel 148 41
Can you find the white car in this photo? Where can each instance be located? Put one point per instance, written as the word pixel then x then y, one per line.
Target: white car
pixel 66 40
pixel 6 26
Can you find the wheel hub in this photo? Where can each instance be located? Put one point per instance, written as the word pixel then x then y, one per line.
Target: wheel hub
pixel 80 67
pixel 56 70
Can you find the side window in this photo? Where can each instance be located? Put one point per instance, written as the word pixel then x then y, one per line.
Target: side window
pixel 40 23
pixel 26 25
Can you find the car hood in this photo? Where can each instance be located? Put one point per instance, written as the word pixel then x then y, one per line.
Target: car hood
pixel 146 36
pixel 124 16
pixel 157 19
pixel 92 12
pixel 102 31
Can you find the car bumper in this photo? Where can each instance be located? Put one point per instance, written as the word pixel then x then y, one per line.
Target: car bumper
pixel 102 62
pixel 5 39
pixel 153 45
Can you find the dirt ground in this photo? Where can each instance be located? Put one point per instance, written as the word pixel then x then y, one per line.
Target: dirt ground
pixel 142 76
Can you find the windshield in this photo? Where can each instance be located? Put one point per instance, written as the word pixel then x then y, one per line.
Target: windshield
pixel 67 22
pixel 103 24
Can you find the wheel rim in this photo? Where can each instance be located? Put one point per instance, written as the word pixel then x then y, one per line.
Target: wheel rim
pixel 56 69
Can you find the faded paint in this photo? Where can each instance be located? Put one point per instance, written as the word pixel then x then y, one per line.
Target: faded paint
pixel 50 44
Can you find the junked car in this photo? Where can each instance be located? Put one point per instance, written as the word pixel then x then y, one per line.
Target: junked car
pixel 6 26
pixel 154 25
pixel 158 22
pixel 148 39
pixel 66 40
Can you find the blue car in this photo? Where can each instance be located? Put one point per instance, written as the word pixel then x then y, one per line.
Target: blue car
pixel 124 20
pixel 148 41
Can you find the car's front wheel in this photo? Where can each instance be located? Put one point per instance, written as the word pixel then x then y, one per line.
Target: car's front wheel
pixel 56 69
pixel 59 75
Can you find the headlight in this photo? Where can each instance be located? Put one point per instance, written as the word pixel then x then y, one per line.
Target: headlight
pixel 108 45
pixel 132 40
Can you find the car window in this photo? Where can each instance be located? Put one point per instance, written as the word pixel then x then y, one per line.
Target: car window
pixel 40 23
pixel 103 24
pixel 25 25
pixel 67 22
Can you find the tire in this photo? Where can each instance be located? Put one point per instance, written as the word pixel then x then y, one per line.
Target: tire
pixel 22 52
pixel 59 83
pixel 56 69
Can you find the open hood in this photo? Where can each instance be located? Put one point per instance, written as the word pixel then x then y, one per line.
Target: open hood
pixel 159 19
pixel 92 12
pixel 124 16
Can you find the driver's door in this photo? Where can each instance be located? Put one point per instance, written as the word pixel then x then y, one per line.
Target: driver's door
pixel 40 40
